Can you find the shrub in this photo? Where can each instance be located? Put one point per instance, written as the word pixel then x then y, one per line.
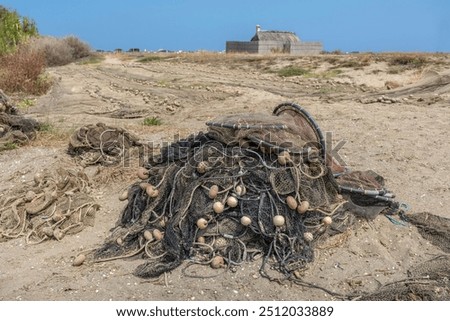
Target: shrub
pixel 292 71
pixel 7 146
pixel 22 71
pixel 409 60
pixel 150 59
pixel 55 51
pixel 79 48
pixel 152 121
pixel 60 51
pixel 94 58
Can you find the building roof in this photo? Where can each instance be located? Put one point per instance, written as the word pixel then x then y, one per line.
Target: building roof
pixel 270 35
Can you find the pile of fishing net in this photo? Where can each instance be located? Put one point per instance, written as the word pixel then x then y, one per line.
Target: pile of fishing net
pixel 428 280
pixel 55 204
pixel 15 129
pixel 252 186
pixel 101 144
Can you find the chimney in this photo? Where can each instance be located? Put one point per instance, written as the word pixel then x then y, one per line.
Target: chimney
pixel 258 28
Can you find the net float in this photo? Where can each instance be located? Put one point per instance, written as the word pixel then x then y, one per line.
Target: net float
pixel 58 234
pixel 79 260
pixel 218 207
pixel 202 223
pixel 327 220
pixel 284 157
pixel 217 262
pixel 220 243
pixel 278 220
pixel 151 191
pixel 123 196
pixel 213 191
pixel 57 216
pixel 157 234
pixel 245 220
pixel 291 202
pixel 240 190
pixel 202 167
pixel 148 235
pixel 48 231
pixel 232 201
pixel 303 207
pixel 201 240
pixel 142 173
pixel 308 236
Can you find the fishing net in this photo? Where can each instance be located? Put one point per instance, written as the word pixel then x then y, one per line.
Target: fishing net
pixel 252 186
pixel 15 129
pixel 427 281
pixel 433 228
pixel 101 144
pixel 57 203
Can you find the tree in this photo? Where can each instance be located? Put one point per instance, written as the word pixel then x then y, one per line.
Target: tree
pixel 14 29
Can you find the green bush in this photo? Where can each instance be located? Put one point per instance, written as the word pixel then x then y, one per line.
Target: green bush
pixel 292 71
pixel 150 59
pixel 152 121
pixel 14 29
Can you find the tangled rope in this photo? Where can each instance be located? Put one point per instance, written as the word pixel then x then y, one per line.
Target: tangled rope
pixel 101 144
pixel 56 204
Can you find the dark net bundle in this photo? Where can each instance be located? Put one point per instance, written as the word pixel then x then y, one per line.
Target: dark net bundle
pixel 101 144
pixel 427 281
pixel 252 186
pixel 15 129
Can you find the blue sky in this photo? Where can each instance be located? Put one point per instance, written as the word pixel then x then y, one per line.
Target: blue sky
pixel 347 25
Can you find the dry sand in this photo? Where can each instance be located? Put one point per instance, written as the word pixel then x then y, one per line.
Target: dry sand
pixel 403 139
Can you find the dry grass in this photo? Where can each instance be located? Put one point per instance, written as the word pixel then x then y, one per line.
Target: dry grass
pixel 49 135
pixel 207 57
pixel 408 60
pixel 23 71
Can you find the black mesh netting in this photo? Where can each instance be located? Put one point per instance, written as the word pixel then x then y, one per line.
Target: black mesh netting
pixel 252 186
